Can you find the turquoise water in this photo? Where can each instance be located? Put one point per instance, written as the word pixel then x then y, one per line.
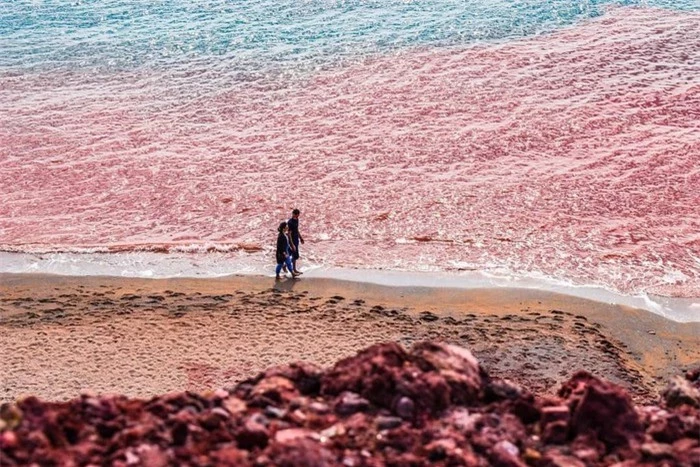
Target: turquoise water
pixel 258 35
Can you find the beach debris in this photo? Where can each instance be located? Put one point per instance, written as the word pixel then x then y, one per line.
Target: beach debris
pixel 432 404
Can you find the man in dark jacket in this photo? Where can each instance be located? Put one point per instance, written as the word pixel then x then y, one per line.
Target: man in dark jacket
pixel 293 225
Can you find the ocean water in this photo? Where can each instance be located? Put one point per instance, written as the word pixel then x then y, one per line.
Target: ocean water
pixel 536 142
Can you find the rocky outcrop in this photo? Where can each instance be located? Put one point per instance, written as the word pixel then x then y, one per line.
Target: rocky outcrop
pixel 432 405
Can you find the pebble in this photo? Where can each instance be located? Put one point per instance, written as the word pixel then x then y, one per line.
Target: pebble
pixel 405 408
pixel 350 403
pixel 388 422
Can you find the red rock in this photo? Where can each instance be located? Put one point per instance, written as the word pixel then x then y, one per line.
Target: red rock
pixel 402 439
pixel 406 460
pixel 179 433
pixel 273 390
pixel 372 373
pixel 291 434
pixel 499 389
pixel 588 456
pixel 253 434
pixel 657 451
pixel 453 414
pixel 681 391
pixel 440 449
pixel 337 429
pixel 229 456
pixel 603 409
pixel 304 452
pixel 559 413
pixel 349 403
pixel 667 428
pixel 505 454
pixel 556 433
pixel 356 424
pixel 298 417
pixel 557 459
pixel 36 440
pixel 686 444
pixel 213 419
pixel 554 421
pixel 305 376
pixel 152 456
pixel 234 405
pixel 457 365
pixel 8 440
pixel 463 420
pixel 693 375
pixel 387 423
pixel 319 407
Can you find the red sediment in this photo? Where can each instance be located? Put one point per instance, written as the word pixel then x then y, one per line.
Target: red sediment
pixel 433 404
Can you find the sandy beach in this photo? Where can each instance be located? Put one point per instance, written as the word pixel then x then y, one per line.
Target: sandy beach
pixel 142 337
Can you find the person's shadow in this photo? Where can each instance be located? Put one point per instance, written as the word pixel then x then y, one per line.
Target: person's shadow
pixel 285 284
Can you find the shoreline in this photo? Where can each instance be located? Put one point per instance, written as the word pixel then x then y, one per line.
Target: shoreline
pixel 143 337
pixel 149 265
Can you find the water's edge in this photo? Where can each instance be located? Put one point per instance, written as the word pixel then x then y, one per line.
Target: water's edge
pixel 154 266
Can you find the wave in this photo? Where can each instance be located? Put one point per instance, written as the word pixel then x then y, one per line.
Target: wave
pixel 192 261
pixel 172 247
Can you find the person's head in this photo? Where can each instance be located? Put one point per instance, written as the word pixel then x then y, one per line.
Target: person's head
pixel 282 227
pixel 295 213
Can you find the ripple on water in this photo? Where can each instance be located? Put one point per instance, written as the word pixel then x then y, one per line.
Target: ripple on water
pixel 571 155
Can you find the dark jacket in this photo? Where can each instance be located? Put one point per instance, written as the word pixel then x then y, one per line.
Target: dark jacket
pixel 282 247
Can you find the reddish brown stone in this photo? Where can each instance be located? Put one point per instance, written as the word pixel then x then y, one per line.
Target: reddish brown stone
pixel 603 409
pixel 305 376
pixel 557 459
pixel 555 433
pixel 372 373
pixel 559 413
pixel 457 365
pixel 383 407
pixel 505 454
pixel 230 456
pixel 8 440
pixel 292 434
pixel 349 403
pixel 273 390
pixel 253 434
pixel 304 452
pixel 681 391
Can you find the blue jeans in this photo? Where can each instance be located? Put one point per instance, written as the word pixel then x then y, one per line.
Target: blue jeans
pixel 288 262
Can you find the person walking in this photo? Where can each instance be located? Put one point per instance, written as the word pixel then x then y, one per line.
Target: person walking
pixel 282 252
pixel 293 224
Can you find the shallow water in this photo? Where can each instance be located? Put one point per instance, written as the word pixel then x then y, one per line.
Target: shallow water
pixel 555 142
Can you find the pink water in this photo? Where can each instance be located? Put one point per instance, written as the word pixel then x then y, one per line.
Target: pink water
pixel 573 156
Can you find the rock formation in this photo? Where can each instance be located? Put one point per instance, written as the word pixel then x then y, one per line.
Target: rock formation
pixel 432 405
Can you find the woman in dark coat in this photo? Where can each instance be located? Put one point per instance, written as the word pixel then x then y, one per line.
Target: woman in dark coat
pixel 283 251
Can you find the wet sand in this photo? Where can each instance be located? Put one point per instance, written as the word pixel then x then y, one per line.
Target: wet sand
pixel 141 337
